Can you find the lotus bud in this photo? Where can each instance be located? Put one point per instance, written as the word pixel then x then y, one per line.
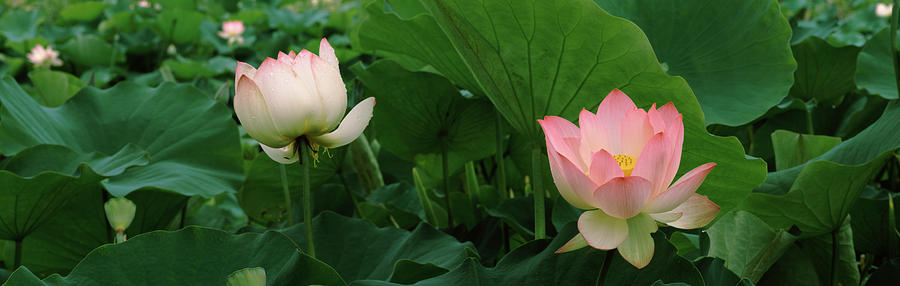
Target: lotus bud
pixel 120 213
pixel 255 276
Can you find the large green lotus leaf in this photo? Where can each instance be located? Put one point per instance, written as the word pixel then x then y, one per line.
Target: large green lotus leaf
pixel 824 72
pixel 871 143
pixel 18 25
pixel 874 73
pixel 819 200
pixel 419 112
pixel 872 233
pixel 359 250
pixel 84 11
pixel 417 42
pixel 192 256
pixel 89 51
pixel 54 87
pixel 179 25
pixel 537 58
pixel 534 263
pixel 737 59
pixel 748 246
pixel 262 194
pixel 192 140
pixel 792 149
pixel 81 226
pixel 833 255
pixel 40 180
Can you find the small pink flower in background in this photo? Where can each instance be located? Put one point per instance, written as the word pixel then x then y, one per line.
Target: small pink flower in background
pixel 619 166
pixel 299 94
pixel 232 31
pixel 41 57
pixel 144 4
pixel 883 10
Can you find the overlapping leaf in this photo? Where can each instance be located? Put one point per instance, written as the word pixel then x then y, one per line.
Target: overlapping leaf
pixel 737 59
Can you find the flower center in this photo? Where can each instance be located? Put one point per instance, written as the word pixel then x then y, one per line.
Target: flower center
pixel 626 163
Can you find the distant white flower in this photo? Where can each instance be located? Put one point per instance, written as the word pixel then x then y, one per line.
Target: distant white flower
pixel 41 57
pixel 883 10
pixel 232 31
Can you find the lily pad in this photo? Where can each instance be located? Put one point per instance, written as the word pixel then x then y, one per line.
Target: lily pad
pixel 737 60
pixel 195 256
pixel 824 72
pixel 192 140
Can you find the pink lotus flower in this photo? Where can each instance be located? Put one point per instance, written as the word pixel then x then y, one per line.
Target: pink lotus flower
pixel 232 30
pixel 297 95
pixel 883 10
pixel 41 57
pixel 144 4
pixel 619 166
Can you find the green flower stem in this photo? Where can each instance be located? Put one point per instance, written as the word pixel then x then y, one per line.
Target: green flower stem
pixel 423 198
pixel 305 161
pixel 17 261
pixel 537 188
pixel 446 174
pixel 894 25
pixel 350 194
pixel 366 164
pixel 287 195
pixel 607 260
pixel 498 157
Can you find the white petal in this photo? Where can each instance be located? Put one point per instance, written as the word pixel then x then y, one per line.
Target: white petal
pixel 283 155
pixel 351 127
pixel 251 110
pixel 287 97
pixel 332 92
pixel 602 231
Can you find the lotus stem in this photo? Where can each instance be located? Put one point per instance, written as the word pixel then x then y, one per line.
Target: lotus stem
pixel 537 187
pixel 423 198
pixel 287 195
pixel 307 196
pixel 17 261
pixel 893 32
pixel 607 260
pixel 498 157
pixel 446 174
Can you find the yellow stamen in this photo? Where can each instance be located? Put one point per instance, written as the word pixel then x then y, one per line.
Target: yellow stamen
pixel 626 163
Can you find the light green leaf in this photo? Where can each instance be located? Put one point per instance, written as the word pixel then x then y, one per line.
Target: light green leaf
pixel 54 87
pixel 18 25
pixel 819 200
pixel 874 73
pixel 83 11
pixel 178 25
pixel 792 149
pixel 824 72
pixel 737 59
pixel 748 246
pixel 88 51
